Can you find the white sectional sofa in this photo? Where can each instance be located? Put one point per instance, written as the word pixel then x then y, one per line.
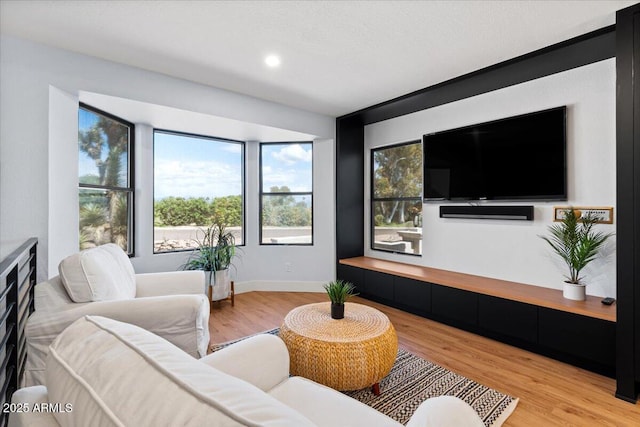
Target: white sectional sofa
pixel 101 372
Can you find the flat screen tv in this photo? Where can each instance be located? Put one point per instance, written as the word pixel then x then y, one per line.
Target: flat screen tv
pixel 516 158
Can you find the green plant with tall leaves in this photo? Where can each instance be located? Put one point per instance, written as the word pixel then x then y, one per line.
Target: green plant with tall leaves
pixel 339 291
pixel 214 251
pixel 576 242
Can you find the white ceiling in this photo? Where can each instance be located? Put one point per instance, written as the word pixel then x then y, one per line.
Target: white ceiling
pixel 337 57
pixel 163 117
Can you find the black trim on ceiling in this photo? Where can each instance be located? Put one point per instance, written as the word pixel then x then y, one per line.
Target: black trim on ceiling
pixel 588 48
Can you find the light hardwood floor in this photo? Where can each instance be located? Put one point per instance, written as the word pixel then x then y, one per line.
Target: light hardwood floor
pixel 551 393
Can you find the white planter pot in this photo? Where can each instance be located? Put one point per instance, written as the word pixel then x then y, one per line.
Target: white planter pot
pixel 574 292
pixel 221 283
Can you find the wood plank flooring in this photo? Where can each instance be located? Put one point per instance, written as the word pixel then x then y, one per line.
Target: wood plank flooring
pixel 551 393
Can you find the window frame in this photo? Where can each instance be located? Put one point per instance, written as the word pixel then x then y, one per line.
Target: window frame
pixel 375 199
pixel 262 193
pixel 130 190
pixel 243 145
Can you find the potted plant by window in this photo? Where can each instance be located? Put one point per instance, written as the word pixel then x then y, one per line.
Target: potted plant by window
pixel 576 242
pixel 213 254
pixel 339 292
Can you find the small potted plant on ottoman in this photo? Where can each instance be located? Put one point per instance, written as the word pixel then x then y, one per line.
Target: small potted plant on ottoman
pixel 339 291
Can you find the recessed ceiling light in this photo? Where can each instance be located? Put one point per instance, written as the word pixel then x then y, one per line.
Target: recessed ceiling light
pixel 272 61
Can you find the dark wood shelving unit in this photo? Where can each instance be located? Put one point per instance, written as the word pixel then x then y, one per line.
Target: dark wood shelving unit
pixel 17 282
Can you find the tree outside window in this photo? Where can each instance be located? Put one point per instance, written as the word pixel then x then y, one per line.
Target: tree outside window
pixel 105 152
pixel 396 209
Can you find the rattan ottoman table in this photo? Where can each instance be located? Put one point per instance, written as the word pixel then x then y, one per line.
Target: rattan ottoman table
pixel 346 354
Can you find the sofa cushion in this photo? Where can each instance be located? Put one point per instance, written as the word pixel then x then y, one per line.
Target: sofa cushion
pixel 114 373
pixel 326 407
pixel 98 274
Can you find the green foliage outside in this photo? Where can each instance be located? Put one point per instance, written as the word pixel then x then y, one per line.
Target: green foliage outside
pixel 397 174
pixel 177 211
pixel 228 210
pixel 279 210
pixel 282 210
pixel 104 214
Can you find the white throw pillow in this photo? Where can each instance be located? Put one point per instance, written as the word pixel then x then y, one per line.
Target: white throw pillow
pixel 116 374
pixel 98 274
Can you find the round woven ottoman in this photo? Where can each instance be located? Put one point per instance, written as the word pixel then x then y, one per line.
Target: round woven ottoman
pixel 344 354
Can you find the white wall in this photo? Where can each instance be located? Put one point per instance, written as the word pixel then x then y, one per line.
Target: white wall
pixel 35 77
pixel 512 250
pixel 62 178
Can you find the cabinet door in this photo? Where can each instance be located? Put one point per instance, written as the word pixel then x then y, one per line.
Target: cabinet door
pixel 354 275
pixel 454 307
pixel 412 295
pixel 510 319
pixel 581 338
pixel 379 285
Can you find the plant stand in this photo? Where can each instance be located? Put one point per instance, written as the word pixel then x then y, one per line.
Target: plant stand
pixel 231 296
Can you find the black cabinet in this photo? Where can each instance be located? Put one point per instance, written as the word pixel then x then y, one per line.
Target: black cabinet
pixel 354 275
pixel 412 295
pixel 455 307
pixel 506 319
pixel 379 286
pixel 589 342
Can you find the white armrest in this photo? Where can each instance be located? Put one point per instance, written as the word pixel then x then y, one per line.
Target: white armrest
pixel 262 360
pixel 170 283
pixel 182 320
pixel 177 318
pixel 26 398
pixel 445 411
pixel 51 295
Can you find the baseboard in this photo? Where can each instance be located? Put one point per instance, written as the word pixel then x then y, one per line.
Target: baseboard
pixel 278 286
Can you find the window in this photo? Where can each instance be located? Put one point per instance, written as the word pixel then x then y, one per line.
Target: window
pixel 195 179
pixel 396 198
pixel 105 179
pixel 286 193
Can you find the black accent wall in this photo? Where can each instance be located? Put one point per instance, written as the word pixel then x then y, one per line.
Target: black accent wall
pixel 349 187
pixel 613 41
pixel 628 202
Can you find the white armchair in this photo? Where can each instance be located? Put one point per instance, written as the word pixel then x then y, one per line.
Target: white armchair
pixel 101 281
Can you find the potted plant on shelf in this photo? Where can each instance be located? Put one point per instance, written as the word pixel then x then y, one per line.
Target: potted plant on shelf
pixel 214 254
pixel 339 292
pixel 576 242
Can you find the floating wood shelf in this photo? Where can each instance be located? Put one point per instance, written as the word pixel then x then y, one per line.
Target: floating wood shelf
pixel 529 294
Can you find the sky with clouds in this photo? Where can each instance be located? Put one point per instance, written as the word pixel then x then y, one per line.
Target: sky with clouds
pixel 187 166
pixel 287 164
pixel 191 166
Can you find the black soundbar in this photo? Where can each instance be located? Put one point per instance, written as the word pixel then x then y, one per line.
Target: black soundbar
pixel 524 213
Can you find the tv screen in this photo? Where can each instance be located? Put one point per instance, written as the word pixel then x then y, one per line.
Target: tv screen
pixel 516 158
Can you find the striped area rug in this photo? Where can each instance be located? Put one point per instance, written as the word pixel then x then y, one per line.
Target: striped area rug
pixel 413 380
